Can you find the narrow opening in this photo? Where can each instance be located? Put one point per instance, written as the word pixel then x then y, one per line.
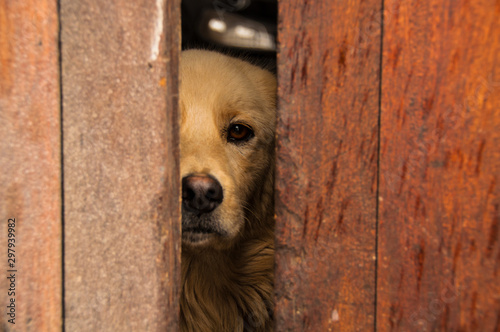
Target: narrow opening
pixel 228 114
pixel 377 195
pixel 63 290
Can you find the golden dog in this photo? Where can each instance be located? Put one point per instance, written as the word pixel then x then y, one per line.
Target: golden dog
pixel 227 167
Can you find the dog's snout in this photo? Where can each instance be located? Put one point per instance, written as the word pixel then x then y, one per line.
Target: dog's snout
pixel 201 193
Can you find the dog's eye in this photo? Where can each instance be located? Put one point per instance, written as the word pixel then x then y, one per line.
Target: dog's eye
pixel 239 133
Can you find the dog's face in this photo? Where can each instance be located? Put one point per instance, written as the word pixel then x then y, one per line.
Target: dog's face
pixel 227 141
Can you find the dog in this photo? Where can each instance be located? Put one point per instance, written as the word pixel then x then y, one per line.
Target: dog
pixel 227 139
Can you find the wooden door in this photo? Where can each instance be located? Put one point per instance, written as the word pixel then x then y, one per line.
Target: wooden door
pixel 388 163
pixel 388 148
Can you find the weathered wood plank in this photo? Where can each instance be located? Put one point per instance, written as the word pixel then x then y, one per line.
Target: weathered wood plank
pixel 30 176
pixel 328 73
pixel 440 165
pixel 122 217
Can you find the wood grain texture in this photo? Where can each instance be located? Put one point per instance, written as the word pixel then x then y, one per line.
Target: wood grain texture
pixel 122 217
pixel 326 183
pixel 439 223
pixel 30 176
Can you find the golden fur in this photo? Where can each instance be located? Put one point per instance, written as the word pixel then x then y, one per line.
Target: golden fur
pixel 227 278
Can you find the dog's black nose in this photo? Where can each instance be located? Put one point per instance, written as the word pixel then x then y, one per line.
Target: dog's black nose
pixel 201 193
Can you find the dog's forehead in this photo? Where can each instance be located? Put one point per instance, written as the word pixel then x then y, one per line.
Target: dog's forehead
pixel 213 81
pixel 215 87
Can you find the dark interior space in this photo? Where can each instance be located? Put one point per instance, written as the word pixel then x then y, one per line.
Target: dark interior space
pixel 241 28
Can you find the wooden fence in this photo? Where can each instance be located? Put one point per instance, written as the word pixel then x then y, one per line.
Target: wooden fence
pixel 388 165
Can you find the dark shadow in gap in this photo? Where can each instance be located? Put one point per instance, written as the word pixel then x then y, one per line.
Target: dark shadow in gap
pixel 243 28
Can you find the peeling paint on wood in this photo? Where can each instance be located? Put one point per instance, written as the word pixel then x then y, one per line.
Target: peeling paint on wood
pixel 158 31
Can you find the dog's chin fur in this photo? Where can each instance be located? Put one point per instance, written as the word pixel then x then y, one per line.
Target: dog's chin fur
pixel 228 282
pixel 228 254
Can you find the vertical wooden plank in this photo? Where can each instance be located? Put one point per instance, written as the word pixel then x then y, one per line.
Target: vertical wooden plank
pixel 122 217
pixel 30 176
pixel 440 166
pixel 328 73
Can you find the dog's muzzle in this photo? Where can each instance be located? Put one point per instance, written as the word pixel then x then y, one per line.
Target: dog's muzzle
pixel 201 194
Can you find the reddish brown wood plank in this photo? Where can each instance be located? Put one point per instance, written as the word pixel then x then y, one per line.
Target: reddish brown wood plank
pixel 327 165
pixel 440 165
pixel 30 176
pixel 122 217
